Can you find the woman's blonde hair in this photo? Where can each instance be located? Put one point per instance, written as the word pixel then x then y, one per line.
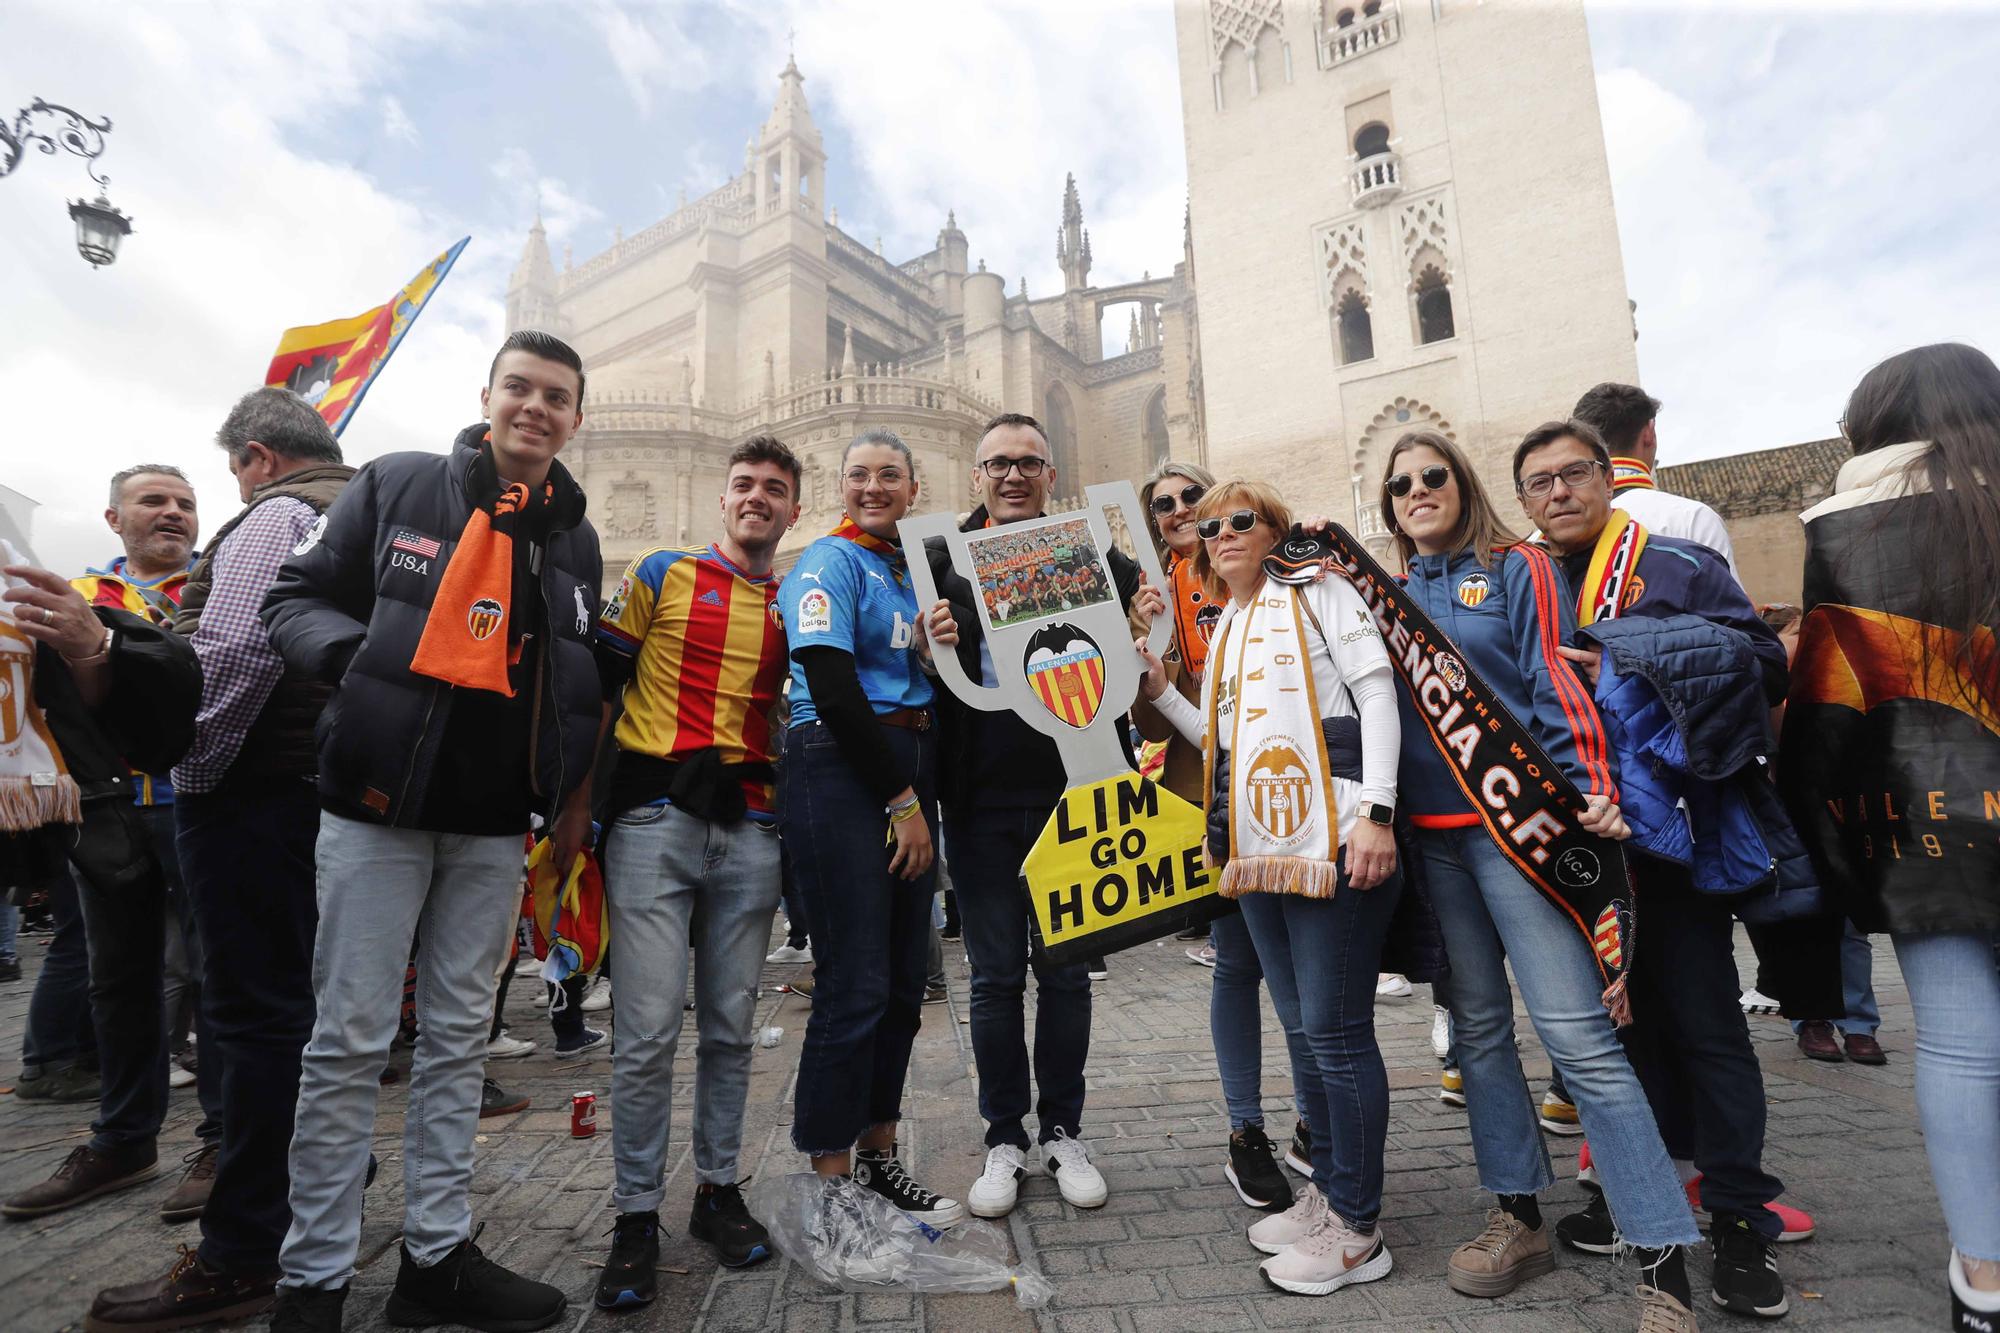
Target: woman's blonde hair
pixel 1479 526
pixel 1193 472
pixel 1226 498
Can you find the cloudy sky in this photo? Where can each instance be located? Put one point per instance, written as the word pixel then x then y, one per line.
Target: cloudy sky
pixel 1801 191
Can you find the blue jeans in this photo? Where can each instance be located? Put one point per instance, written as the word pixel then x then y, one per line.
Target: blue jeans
pixel 1857 984
pixel 59 1031
pixel 1490 914
pixel 1955 991
pixel 1235 1025
pixel 987 848
pixel 675 881
pixel 10 927
pixel 870 932
pixel 1320 957
pixel 181 965
pixel 459 896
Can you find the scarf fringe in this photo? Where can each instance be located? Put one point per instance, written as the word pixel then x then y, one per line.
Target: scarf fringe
pixel 1618 1002
pixel 26 806
pixel 1279 874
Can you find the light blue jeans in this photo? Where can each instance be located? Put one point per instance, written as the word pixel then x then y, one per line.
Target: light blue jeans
pixel 459 895
pixel 1489 914
pixel 1235 1025
pixel 1955 991
pixel 674 880
pixel 1857 984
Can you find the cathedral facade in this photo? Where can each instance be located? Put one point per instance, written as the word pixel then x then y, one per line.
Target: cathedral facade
pixel 750 311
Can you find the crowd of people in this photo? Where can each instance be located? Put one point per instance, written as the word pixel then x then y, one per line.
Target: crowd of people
pixel 304 762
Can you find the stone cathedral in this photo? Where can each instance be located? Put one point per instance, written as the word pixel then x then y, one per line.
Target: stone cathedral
pixel 749 310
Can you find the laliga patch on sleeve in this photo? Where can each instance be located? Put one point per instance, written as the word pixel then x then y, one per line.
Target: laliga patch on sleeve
pixel 816 613
pixel 313 534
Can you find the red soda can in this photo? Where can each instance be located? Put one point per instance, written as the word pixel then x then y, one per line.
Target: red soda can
pixel 582 1115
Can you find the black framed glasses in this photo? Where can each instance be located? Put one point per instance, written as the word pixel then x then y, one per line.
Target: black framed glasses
pixel 997 468
pixel 1190 496
pixel 1576 476
pixel 1433 477
pixel 1241 521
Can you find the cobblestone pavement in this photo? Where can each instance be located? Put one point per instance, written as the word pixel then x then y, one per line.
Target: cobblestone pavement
pixel 1166 1253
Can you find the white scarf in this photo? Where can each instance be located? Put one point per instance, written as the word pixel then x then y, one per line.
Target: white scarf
pixel 1284 833
pixel 35 785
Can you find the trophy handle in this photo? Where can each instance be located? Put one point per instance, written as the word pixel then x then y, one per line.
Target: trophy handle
pixel 916 533
pixel 1120 495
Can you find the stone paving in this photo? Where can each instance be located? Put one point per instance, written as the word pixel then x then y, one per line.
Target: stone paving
pixel 1167 1252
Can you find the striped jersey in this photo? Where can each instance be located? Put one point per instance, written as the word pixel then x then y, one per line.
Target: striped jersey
pixel 708 651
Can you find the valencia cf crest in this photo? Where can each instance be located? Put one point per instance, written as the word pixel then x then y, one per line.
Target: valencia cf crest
pixel 484 617
pixel 1609 936
pixel 1472 589
pixel 1066 671
pixel 1635 588
pixel 1280 790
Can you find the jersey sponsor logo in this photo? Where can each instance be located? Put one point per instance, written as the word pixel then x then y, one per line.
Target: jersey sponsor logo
pixel 1279 790
pixel 1472 589
pixel 313 534
pixel 816 613
pixel 415 543
pixel 614 610
pixel 903 633
pixel 484 617
pixel 1066 670
pixel 710 598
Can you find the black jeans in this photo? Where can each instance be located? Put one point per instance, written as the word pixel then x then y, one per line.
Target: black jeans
pixel 987 848
pixel 59 1030
pixel 248 861
pixel 1689 1043
pixel 122 888
pixel 161 832
pixel 870 933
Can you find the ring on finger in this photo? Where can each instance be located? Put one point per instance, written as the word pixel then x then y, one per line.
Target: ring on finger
pixel 48 615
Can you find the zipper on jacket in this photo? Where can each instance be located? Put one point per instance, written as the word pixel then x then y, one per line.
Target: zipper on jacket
pixel 423 732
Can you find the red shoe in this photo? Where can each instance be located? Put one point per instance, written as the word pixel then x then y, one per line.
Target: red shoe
pixel 1586 1170
pixel 1793 1224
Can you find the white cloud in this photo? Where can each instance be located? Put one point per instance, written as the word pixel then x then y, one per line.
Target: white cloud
pixel 650 51
pixel 396 122
pixel 530 191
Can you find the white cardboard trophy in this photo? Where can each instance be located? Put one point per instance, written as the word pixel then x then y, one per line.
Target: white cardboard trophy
pixel 1120 860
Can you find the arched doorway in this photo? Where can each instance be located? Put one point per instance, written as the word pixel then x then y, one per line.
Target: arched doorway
pixel 1059 421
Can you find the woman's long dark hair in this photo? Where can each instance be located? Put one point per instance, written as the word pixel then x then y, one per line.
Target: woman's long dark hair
pixel 1947 394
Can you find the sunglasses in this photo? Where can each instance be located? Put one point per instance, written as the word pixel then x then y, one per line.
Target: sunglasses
pixel 1433 477
pixel 1241 521
pixel 1190 496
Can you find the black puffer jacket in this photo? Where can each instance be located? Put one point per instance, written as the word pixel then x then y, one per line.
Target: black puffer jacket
pixel 344 611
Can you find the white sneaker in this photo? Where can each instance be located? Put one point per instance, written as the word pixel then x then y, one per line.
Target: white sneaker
pixel 844 1242
pixel 1068 1160
pixel 179 1077
pixel 1205 955
pixel 1391 986
pixel 993 1194
pixel 786 953
pixel 1440 1031
pixel 598 998
pixel 507 1046
pixel 1279 1231
pixel 1755 1001
pixel 1327 1258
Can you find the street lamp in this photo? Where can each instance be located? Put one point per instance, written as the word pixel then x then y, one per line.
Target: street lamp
pixel 48 126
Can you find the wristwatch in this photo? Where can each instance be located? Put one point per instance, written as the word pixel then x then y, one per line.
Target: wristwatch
pixel 1377 813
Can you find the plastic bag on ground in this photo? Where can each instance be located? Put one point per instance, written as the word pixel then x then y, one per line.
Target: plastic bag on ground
pixel 854 1239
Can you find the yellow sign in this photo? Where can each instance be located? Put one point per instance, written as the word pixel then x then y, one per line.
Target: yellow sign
pixel 1118 863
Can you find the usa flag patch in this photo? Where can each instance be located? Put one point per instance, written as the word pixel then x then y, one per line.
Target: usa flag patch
pixel 420 546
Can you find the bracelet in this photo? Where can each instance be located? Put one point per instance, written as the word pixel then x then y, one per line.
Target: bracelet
pixel 103 650
pixel 898 813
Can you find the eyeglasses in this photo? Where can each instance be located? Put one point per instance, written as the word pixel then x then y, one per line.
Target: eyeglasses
pixel 997 468
pixel 1576 476
pixel 1433 477
pixel 889 477
pixel 1241 521
pixel 1189 497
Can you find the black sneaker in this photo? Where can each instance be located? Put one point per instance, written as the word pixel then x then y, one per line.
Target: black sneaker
pixel 10 969
pixel 629 1274
pixel 1253 1171
pixel 496 1100
pixel 1299 1156
pixel 465 1287
pixel 1965 1319
pixel 720 1218
pixel 1746 1277
pixel 1591 1230
pixel 308 1310
pixel 879 1170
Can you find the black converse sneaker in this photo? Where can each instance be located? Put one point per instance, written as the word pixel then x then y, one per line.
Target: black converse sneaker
pixel 721 1219
pixel 1253 1171
pixel 629 1274
pixel 1746 1277
pixel 1299 1156
pixel 465 1287
pixel 879 1169
pixel 1591 1230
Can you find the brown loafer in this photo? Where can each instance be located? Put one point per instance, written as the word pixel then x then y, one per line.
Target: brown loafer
pixel 190 1294
pixel 1863 1049
pixel 84 1174
pixel 1817 1041
pixel 190 1197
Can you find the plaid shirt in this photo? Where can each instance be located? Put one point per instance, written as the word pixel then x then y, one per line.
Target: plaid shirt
pixel 239 667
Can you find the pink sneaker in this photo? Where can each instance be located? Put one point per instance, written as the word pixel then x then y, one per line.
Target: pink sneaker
pixel 1794 1224
pixel 1586 1169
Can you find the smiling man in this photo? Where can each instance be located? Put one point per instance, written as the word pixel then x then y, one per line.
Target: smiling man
pixel 450 599
pixel 692 642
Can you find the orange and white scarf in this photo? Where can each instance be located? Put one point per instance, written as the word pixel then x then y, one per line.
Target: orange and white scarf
pixel 35 784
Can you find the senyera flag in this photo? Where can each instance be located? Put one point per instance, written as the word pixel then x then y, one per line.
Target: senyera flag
pixel 332 365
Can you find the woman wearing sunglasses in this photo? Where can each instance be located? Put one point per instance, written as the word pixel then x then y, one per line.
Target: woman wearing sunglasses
pixel 1235 1019
pixel 1503 605
pixel 1299 731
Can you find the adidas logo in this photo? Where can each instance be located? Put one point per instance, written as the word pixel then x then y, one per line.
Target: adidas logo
pixel 712 597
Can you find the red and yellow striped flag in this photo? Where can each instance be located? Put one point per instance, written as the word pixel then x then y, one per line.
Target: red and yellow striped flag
pixel 332 365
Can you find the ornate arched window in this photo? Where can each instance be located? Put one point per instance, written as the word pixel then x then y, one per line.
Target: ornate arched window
pixel 1153 430
pixel 1371 139
pixel 1434 321
pixel 1357 333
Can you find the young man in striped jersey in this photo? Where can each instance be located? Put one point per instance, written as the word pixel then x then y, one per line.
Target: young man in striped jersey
pixel 692 641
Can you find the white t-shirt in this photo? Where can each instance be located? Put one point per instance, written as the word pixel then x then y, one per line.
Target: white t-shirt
pixel 1673 515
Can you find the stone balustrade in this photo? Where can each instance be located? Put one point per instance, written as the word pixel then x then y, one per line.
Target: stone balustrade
pixel 1339 44
pixel 1376 179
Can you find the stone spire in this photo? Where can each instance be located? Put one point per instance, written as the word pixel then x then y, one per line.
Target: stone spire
pixel 1072 241
pixel 789 114
pixel 531 291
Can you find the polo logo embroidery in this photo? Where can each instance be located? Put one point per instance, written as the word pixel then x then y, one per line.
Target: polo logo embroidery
pixel 484 617
pixel 1472 589
pixel 313 534
pixel 1066 671
pixel 582 609
pixel 1280 790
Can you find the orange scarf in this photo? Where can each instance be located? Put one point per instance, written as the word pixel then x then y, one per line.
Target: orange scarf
pixel 1189 599
pixel 467 637
pixel 848 530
